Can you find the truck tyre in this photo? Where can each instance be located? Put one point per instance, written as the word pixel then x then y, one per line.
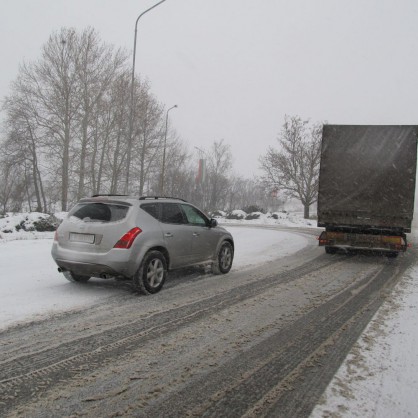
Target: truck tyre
pixel 330 250
pixel 151 275
pixel 224 258
pixel 392 254
pixel 72 277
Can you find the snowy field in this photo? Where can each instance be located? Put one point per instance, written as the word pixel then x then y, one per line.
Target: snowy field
pixel 378 378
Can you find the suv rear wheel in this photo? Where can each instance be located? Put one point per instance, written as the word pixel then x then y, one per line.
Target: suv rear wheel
pixel 152 273
pixel 223 261
pixel 72 277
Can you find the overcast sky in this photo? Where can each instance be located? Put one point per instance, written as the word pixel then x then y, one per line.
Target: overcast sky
pixel 235 68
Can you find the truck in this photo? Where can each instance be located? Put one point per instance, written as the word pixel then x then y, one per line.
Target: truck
pixel 366 187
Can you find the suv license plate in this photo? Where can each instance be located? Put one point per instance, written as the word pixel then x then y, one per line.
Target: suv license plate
pixel 87 238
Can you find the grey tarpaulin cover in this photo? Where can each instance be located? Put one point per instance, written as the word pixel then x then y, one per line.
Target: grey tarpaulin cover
pixel 367 175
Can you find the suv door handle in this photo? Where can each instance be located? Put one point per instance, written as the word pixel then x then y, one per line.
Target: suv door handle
pixel 168 235
pixel 196 234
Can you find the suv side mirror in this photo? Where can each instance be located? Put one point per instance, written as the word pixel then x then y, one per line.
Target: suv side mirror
pixel 213 223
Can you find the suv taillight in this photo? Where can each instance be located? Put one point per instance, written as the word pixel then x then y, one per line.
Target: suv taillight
pixel 127 240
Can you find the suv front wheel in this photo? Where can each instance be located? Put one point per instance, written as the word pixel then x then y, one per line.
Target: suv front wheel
pixel 151 274
pixel 223 261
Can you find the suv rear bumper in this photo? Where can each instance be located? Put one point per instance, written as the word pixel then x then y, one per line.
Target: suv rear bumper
pixel 86 269
pixel 116 262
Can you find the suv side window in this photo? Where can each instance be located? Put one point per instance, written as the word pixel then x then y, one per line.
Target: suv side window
pixel 172 214
pixel 194 216
pixel 151 209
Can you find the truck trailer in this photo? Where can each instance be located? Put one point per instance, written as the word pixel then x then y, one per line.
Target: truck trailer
pixel 367 187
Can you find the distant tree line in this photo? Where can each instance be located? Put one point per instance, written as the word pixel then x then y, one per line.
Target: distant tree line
pixel 66 136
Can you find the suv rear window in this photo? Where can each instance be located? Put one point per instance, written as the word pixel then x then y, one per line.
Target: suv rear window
pixel 99 212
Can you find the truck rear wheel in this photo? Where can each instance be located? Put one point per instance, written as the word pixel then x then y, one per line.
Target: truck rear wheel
pixel 330 250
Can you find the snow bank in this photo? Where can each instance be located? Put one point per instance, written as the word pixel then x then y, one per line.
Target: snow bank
pixel 22 226
pixel 276 218
pixel 30 225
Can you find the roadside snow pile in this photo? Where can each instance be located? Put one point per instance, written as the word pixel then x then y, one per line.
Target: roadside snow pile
pixel 236 214
pixel 30 225
pixel 256 218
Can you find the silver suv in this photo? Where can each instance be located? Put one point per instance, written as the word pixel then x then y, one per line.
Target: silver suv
pixel 140 239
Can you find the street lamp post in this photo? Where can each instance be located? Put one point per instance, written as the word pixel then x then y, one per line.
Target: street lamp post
pixel 131 114
pixel 164 149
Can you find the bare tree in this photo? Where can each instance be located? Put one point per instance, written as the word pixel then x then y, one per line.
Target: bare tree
pixel 219 166
pixel 212 192
pixel 53 88
pixel 244 193
pixel 67 121
pixel 96 66
pixel 59 107
pixel 294 168
pixel 22 144
pixel 8 183
pixel 179 172
pixel 148 136
pixel 111 136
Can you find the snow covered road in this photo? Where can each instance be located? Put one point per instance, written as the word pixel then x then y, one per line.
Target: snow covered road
pixel 116 352
pixel 31 287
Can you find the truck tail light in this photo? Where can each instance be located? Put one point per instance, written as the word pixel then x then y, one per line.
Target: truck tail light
pixel 393 240
pixel 323 239
pixel 127 240
pixel 396 242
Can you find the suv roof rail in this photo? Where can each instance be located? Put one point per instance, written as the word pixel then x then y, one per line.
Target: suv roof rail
pixel 110 194
pixel 161 197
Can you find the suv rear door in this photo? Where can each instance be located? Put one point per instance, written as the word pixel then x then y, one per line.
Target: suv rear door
pixel 176 234
pixel 95 226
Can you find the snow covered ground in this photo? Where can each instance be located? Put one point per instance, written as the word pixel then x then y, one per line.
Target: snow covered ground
pixel 378 378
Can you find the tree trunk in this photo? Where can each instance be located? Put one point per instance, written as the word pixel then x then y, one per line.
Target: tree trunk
pixel 83 155
pixel 41 187
pixel 142 165
pixel 35 183
pixel 306 211
pixel 37 194
pixel 65 169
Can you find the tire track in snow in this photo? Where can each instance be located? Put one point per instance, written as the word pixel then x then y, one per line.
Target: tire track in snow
pixel 22 376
